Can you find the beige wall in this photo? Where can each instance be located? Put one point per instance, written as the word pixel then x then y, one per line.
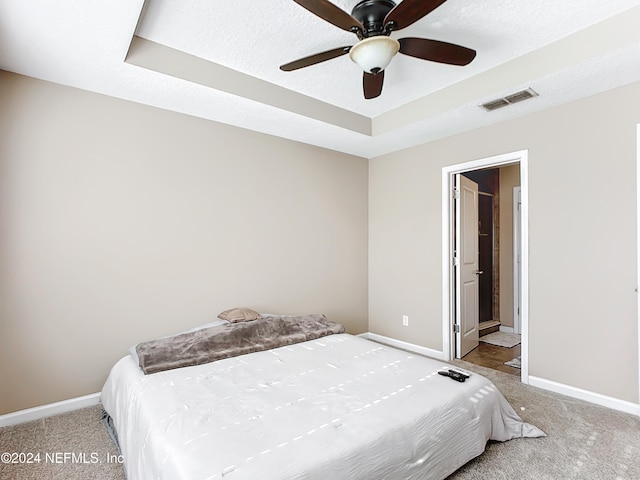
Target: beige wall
pixel 583 328
pixel 509 178
pixel 582 238
pixel 120 222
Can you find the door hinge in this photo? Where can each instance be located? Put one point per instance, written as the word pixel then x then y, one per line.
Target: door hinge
pixel 456 261
pixel 456 328
pixel 456 193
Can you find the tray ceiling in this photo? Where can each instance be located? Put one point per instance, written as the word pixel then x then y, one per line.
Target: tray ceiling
pixel 219 61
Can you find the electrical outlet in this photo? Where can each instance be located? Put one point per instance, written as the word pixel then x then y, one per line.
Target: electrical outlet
pixel 405 320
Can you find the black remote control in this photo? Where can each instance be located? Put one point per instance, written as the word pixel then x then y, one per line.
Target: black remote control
pixel 453 374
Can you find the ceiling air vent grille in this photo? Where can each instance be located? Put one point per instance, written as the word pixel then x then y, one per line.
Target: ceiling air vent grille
pixel 509 99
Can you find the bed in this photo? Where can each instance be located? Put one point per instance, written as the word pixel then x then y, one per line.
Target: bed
pixel 338 406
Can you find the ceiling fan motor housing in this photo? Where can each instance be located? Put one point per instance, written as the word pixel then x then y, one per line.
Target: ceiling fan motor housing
pixel 371 13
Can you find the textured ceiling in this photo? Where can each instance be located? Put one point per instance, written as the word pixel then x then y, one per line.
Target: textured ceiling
pixel 219 60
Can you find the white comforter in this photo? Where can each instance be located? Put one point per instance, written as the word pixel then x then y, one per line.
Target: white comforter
pixel 340 407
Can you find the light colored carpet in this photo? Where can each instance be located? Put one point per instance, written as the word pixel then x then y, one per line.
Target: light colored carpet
pixel 515 363
pixel 67 445
pixel 584 442
pixel 501 339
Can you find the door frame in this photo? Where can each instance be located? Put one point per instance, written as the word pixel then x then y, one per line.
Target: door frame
pixel 638 246
pixel 517 222
pixel 448 277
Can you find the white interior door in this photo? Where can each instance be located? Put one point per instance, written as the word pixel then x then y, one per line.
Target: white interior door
pixel 466 262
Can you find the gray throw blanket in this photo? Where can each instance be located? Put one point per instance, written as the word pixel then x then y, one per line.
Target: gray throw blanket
pixel 224 341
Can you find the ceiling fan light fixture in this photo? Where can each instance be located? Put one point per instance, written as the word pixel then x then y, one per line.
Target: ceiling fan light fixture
pixel 373 54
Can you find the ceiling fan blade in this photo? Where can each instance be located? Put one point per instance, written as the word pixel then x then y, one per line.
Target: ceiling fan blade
pixel 372 84
pixel 332 14
pixel 313 59
pixel 410 11
pixel 436 51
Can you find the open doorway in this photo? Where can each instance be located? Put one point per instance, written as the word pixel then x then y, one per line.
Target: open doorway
pixel 498 345
pixel 501 251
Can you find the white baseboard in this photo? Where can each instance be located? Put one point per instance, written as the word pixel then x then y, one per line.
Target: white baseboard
pixel 392 342
pixel 506 329
pixel 597 398
pixel 36 413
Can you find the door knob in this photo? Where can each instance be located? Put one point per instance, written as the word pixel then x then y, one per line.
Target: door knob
pixel 478 272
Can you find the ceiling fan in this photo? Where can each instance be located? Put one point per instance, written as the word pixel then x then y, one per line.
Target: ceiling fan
pixel 373 21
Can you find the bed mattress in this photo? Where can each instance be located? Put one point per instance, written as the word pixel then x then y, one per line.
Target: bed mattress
pixel 339 407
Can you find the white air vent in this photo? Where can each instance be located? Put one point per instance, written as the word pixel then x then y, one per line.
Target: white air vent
pixel 509 99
